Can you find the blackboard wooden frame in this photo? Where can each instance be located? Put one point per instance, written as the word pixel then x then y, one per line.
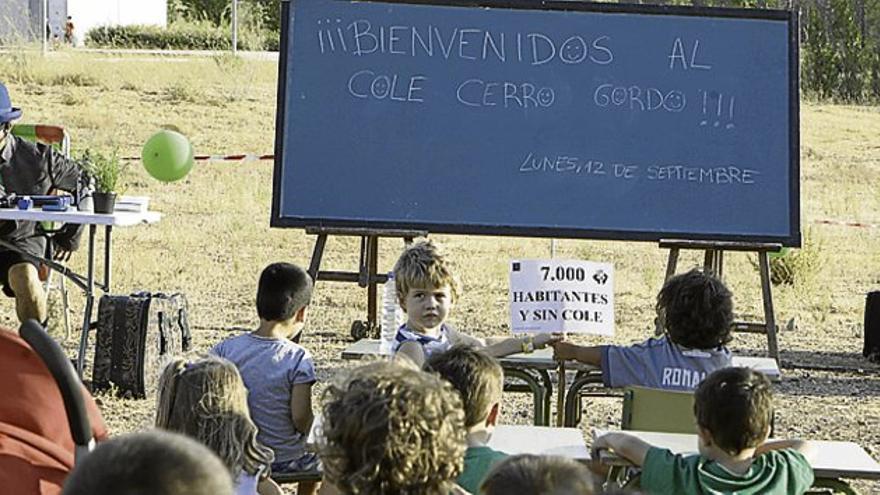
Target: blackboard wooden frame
pixel 792 239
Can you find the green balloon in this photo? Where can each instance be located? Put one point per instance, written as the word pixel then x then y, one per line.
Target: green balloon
pixel 168 156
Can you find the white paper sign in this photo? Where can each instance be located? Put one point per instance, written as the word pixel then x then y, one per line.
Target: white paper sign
pixel 571 296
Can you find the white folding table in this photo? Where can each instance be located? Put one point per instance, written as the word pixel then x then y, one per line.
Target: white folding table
pixel 86 283
pixel 540 440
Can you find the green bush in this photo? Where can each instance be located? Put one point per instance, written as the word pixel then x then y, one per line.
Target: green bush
pixel 796 266
pixel 189 36
pixel 200 35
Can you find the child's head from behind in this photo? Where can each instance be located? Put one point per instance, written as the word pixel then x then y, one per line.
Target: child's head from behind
pixel 696 309
pixel 207 400
pixel 735 407
pixel 283 291
pixel 478 378
pixel 426 286
pixel 154 462
pixel 390 428
pixel 547 475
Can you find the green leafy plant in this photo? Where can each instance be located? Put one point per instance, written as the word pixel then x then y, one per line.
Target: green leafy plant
pixel 106 168
pixel 796 266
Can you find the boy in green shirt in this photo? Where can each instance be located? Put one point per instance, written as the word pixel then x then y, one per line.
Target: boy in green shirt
pixel 733 411
pixel 479 379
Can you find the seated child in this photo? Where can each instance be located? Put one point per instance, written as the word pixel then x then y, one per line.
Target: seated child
pixel 479 379
pixel 547 475
pixel 154 462
pixel 207 401
pixel 426 290
pixel 696 311
pixel 277 372
pixel 733 409
pixel 389 428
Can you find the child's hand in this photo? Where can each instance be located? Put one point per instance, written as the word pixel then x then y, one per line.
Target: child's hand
pixel 542 340
pixel 600 439
pixel 599 443
pixel 564 351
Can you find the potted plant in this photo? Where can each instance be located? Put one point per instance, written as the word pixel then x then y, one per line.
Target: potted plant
pixel 107 170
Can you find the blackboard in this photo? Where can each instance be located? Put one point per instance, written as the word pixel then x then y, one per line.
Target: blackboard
pixel 539 119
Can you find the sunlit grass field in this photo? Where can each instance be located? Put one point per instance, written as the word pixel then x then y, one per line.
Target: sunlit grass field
pixel 215 238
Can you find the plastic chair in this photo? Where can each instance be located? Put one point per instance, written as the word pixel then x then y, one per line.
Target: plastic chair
pixel 650 409
pixel 666 411
pixel 57 137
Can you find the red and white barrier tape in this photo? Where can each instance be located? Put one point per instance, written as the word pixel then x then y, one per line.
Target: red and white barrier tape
pixel 849 224
pixel 245 157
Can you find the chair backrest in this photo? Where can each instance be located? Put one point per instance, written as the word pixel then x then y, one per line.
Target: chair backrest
pixel 650 409
pixel 53 135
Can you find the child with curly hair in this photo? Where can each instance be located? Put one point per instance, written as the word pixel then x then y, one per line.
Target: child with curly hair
pixel 389 428
pixel 696 310
pixel 206 400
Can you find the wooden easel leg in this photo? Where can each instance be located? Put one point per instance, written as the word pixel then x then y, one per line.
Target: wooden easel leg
pixel 671 264
pixel 769 317
pixel 363 263
pixel 712 262
pixel 373 261
pixel 317 254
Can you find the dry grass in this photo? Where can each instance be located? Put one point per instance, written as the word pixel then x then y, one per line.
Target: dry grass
pixel 214 238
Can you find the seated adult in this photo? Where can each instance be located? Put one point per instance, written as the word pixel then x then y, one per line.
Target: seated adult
pixel 30 169
pixel 36 445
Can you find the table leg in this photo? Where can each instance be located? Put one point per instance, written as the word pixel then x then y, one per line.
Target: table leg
pixel 90 299
pixel 108 260
pixel 560 395
pixel 538 393
pixel 548 386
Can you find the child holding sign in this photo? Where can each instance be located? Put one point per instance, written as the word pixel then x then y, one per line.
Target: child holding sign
pixel 426 290
pixel 696 311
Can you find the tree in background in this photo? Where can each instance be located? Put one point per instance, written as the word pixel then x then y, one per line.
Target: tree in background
pixel 258 20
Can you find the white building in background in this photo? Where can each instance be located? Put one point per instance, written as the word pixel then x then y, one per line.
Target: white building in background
pixel 21 20
pixel 88 14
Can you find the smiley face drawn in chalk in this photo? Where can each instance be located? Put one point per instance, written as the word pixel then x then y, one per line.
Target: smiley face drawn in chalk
pixel 380 87
pixel 546 96
pixel 573 51
pixel 674 101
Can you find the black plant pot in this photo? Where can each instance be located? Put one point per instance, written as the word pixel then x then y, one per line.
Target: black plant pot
pixel 104 202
